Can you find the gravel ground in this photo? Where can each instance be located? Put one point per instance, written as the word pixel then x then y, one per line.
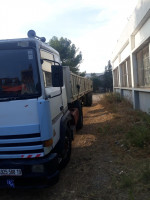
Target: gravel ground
pixel 97 98
pixel 89 174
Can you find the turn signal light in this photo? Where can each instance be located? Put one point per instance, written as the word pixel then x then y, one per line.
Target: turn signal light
pixel 48 143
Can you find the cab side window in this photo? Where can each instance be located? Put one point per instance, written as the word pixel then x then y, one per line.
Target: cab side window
pixel 47 79
pixel 46 67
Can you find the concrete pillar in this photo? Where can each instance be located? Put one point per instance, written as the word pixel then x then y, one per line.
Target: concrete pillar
pixel 127 77
pixel 132 42
pixel 136 103
pixel 134 73
pixel 120 76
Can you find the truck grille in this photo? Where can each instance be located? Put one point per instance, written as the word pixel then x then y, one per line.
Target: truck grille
pixel 21 146
pixel 20 136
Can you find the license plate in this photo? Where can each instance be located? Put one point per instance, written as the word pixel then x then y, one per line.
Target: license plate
pixel 10 172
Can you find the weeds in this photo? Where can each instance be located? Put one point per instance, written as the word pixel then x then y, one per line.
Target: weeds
pixel 131 196
pixel 126 181
pixel 145 177
pixel 105 129
pixel 113 98
pixel 134 125
pixel 129 130
pixel 138 135
pixel 108 129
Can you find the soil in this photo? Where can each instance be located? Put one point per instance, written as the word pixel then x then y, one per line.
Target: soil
pixel 91 170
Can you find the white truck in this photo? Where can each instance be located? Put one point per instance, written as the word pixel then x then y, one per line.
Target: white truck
pixel 40 107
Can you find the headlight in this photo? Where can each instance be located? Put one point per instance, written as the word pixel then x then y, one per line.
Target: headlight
pixel 47 150
pixel 47 146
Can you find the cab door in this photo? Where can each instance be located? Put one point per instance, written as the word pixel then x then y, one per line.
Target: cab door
pixel 53 94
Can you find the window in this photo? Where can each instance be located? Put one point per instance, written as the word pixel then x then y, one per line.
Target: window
pixel 129 73
pixel 48 79
pixel 126 80
pixel 19 75
pixel 116 77
pixel 123 75
pixel 146 66
pixel 143 65
pixel 46 67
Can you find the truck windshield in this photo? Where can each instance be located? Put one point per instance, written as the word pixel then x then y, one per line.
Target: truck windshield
pixel 18 74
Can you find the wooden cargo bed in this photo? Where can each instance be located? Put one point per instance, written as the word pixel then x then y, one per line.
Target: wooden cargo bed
pixel 76 86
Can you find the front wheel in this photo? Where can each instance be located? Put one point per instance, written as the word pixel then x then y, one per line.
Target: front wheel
pixel 66 152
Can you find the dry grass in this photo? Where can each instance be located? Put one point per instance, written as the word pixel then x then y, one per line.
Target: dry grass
pixel 129 130
pixel 133 125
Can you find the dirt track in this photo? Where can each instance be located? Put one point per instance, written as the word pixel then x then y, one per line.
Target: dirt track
pixel 90 171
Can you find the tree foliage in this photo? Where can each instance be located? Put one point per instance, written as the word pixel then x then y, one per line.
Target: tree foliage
pixel 69 54
pixel 82 73
pixel 108 80
pixel 103 83
pixel 96 82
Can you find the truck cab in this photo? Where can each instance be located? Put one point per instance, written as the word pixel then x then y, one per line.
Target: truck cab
pixel 31 113
pixel 40 107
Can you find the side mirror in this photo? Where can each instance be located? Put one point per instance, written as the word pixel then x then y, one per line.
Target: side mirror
pixel 57 76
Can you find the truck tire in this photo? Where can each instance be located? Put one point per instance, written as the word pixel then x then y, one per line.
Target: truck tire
pixel 80 119
pixel 66 152
pixel 89 99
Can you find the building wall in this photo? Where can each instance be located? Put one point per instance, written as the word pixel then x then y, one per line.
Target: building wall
pixel 131 59
pixel 128 95
pixel 144 101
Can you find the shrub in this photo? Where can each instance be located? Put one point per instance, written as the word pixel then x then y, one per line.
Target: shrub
pixel 112 97
pixel 138 135
pixel 126 181
pixel 146 174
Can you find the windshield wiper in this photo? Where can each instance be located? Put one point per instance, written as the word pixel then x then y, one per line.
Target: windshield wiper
pixel 28 96
pixel 8 98
pixel 19 97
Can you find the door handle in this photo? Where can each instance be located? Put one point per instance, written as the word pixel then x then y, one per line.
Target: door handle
pixel 61 108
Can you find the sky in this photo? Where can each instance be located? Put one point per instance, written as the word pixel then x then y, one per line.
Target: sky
pixel 94 26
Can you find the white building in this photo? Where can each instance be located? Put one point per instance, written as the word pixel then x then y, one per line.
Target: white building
pixel 131 59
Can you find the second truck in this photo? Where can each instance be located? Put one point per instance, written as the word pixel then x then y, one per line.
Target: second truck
pixel 40 108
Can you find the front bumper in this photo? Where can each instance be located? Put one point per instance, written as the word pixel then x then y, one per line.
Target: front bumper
pixel 30 179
